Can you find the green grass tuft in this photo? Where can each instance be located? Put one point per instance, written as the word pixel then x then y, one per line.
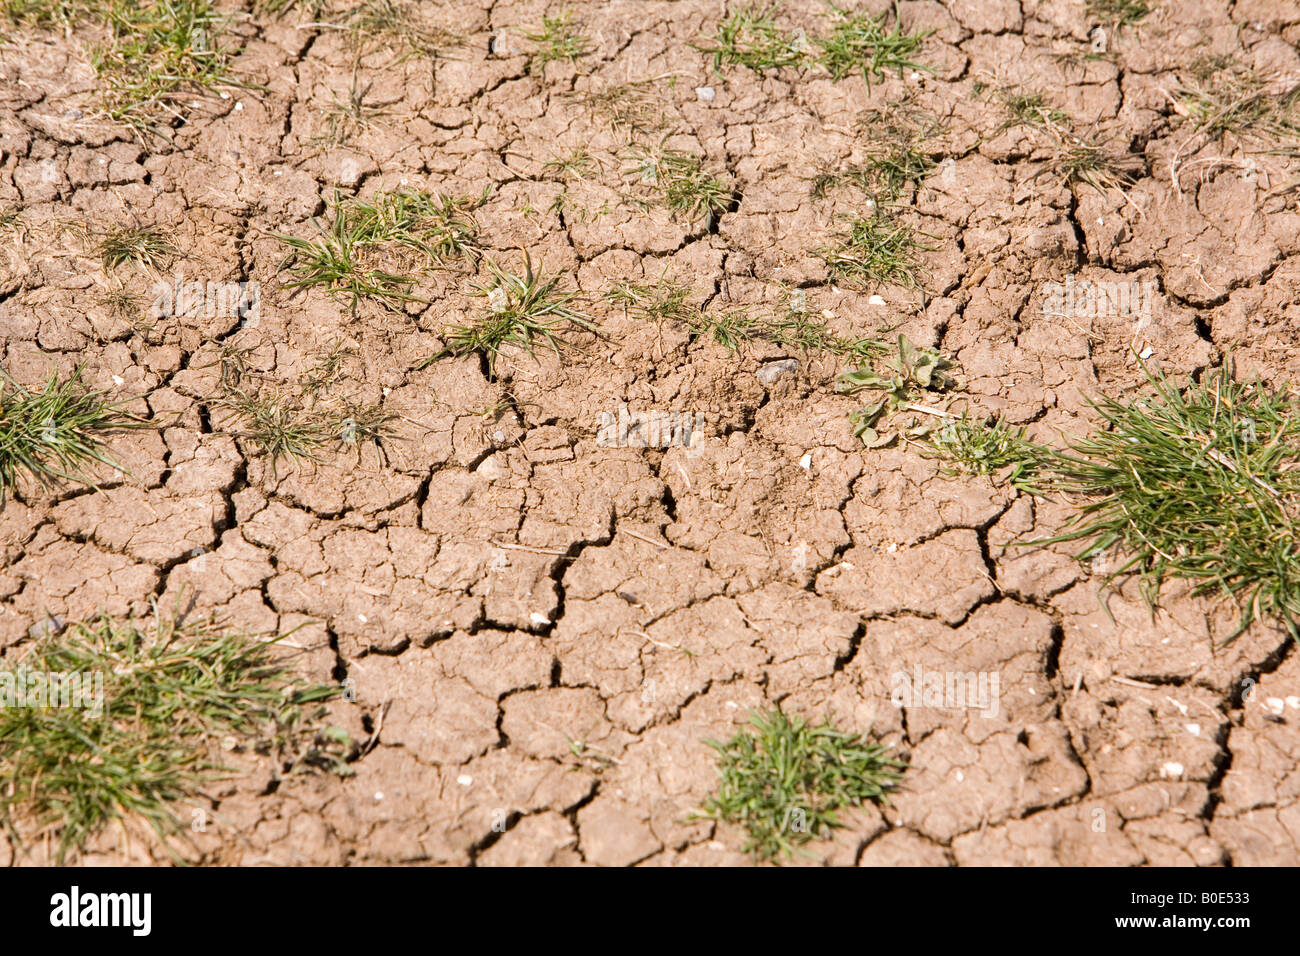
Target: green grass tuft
pixel 282 425
pixel 682 183
pixel 344 259
pixel 397 25
pixel 143 244
pixel 1119 12
pixel 176 698
pixel 895 155
pixel 788 783
pixel 54 434
pixel 993 449
pixel 521 311
pixel 1076 160
pixel 874 250
pixel 556 40
pixel 1223 96
pixel 349 115
pixel 1201 485
pixel 749 36
pixel 157 53
pixel 859 43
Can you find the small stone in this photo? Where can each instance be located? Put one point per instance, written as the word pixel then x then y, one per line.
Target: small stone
pixel 48 626
pixel 705 94
pixel 491 468
pixel 771 371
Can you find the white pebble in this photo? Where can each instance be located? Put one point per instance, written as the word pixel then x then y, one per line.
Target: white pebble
pixel 1172 769
pixel 464 780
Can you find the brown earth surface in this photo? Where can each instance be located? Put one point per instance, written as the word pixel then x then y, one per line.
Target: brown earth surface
pixel 510 599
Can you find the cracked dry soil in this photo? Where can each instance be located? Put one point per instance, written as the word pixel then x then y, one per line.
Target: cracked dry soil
pixel 512 601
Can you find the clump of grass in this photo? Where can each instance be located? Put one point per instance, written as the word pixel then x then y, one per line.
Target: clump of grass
pixel 666 301
pixel 788 782
pixel 328 367
pixel 395 24
pixel 123 304
pixel 159 52
pixel 730 328
pixel 630 108
pixel 794 327
pixel 300 421
pixel 896 155
pixel 40 13
pixel 146 245
pixel 1225 97
pixel 171 697
pixel 683 185
pixel 1031 109
pixel 663 301
pixel 556 40
pixel 749 36
pixel 807 332
pixel 54 434
pixel 281 425
pixel 349 115
pixel 1119 12
pixel 311 9
pixel 1201 485
pixel 1023 107
pixel 441 227
pixel 859 43
pixel 993 449
pixel 341 259
pixel 521 311
pixel 575 164
pixel 1076 160
pixel 874 250
pixel 360 424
